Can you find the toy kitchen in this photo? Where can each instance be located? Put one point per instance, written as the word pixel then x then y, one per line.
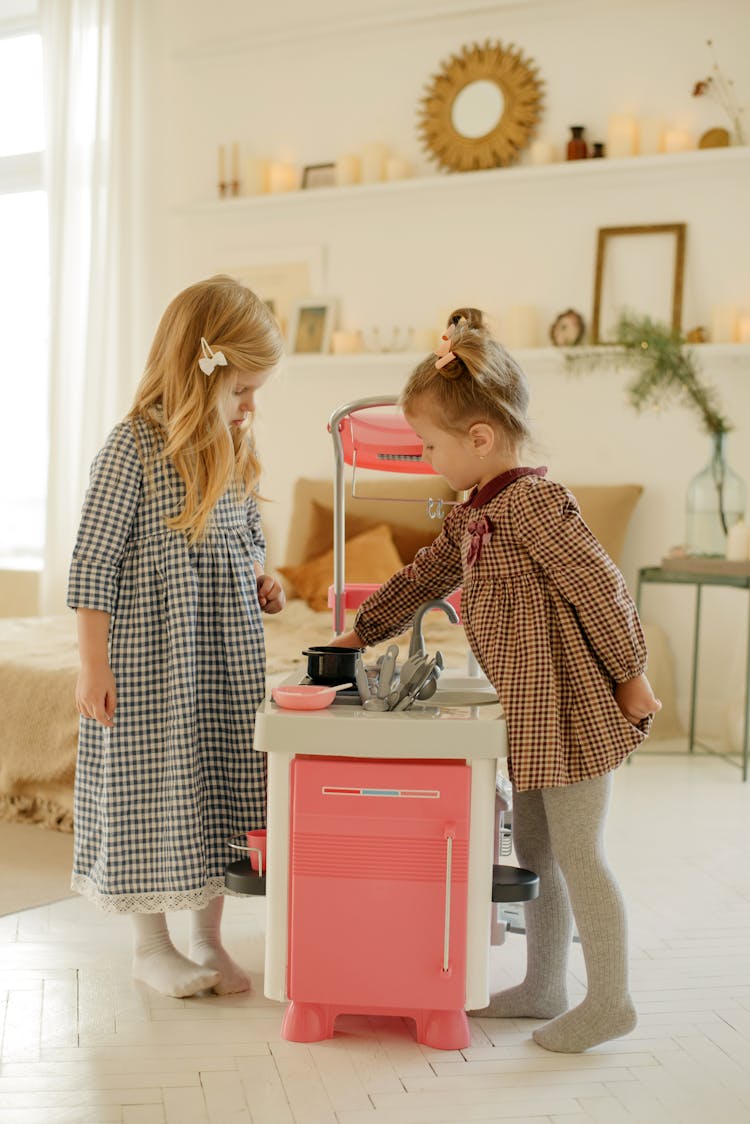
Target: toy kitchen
pixel 385 821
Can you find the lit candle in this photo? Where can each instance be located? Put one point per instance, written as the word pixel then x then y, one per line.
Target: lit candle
pixel 677 140
pixel 521 326
pixel 724 323
pixel 622 135
pixel 373 162
pixel 743 329
pixel 346 343
pixel 652 136
pixel 541 152
pixel 347 170
pixel 281 177
pixel 255 176
pixel 396 168
pixel 222 166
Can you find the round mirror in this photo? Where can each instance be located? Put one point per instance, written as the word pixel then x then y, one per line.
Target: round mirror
pixel 481 109
pixel 477 109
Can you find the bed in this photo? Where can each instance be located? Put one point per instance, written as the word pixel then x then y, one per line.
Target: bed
pixel 39 660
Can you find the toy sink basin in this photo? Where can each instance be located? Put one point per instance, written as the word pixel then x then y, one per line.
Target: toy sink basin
pixel 460 690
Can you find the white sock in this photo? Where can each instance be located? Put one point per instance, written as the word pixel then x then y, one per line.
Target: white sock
pixel 206 948
pixel 157 962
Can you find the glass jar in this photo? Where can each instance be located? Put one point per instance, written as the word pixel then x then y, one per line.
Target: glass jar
pixel 715 502
pixel 577 147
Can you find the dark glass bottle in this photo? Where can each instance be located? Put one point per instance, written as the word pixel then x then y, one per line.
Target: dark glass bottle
pixel 597 149
pixel 577 147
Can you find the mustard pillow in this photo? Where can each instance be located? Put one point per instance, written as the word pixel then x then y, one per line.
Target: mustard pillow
pixel 407 540
pixel 369 557
pixel 606 509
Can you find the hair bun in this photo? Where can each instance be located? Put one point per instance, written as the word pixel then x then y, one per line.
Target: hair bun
pixel 467 318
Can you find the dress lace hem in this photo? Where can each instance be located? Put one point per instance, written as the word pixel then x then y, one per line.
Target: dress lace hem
pixel 165 902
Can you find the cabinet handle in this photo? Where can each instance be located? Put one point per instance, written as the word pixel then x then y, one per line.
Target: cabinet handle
pixel 449 831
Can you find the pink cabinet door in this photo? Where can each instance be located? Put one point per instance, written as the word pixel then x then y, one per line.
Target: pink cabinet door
pixel 378 882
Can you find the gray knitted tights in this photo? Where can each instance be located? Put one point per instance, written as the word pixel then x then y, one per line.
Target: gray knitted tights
pixel 558 832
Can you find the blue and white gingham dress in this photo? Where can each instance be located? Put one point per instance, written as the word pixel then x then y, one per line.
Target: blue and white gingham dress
pixel 158 795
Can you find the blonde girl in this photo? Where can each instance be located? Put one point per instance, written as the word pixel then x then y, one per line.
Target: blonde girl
pixel 550 620
pixel 168 585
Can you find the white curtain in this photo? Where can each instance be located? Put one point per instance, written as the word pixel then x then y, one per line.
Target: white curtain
pixel 89 56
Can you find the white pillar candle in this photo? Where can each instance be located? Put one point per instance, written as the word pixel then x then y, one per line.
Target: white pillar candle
pixel 254 176
pixel 346 343
pixel 348 170
pixel 281 177
pixel 724 323
pixel 677 140
pixel 743 329
pixel 622 135
pixel 222 164
pixel 652 136
pixel 738 542
pixel 235 162
pixel 396 168
pixel 373 162
pixel 541 152
pixel 521 326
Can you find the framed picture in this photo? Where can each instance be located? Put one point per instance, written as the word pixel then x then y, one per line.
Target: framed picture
pixel 311 326
pixel 318 175
pixel 638 268
pixel 281 276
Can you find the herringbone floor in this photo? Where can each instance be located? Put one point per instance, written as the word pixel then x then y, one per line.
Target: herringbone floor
pixel 82 1044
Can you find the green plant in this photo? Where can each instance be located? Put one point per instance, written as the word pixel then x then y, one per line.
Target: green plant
pixel 666 368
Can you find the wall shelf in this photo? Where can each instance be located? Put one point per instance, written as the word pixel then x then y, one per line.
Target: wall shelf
pixel 710 160
pixel 731 357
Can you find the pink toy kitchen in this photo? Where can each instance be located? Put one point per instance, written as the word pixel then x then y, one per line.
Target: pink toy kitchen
pixel 386 819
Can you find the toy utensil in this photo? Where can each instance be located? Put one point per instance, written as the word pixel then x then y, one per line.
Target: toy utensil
pixel 360 676
pixel 375 703
pixel 387 668
pixel 415 686
pixel 430 686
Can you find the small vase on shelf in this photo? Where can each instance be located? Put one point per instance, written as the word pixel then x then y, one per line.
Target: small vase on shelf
pixel 577 147
pixel 715 502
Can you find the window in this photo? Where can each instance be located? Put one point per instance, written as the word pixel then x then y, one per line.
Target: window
pixel 24 286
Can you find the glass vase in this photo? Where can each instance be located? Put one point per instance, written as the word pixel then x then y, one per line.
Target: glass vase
pixel 715 502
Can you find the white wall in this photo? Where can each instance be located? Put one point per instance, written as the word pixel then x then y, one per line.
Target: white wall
pixel 308 82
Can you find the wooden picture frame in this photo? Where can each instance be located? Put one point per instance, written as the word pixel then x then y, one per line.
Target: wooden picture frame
pixel 311 325
pixel 318 175
pixel 663 275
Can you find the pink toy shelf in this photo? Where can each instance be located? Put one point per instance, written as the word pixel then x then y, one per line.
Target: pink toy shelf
pixel 369 433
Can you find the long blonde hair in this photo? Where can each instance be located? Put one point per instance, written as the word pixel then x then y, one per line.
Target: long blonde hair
pixel 182 405
pixel 482 383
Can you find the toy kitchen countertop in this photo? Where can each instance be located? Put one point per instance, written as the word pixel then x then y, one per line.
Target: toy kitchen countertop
pixel 445 728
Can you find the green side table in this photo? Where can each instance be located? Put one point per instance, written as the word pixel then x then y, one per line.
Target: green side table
pixel 705 573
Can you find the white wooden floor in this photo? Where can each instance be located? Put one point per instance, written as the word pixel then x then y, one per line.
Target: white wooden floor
pixel 81 1043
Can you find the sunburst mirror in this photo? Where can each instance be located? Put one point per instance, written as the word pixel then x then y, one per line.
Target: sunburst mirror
pixel 482 108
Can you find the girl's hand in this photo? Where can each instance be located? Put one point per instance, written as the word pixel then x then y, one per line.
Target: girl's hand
pixel 270 594
pixel 347 640
pixel 96 694
pixel 636 700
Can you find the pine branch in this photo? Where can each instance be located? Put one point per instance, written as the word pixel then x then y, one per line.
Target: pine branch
pixel 666 369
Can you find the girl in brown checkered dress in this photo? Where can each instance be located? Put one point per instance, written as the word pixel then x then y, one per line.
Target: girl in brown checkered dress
pixel 551 622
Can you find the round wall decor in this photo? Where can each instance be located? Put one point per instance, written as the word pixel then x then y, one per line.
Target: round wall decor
pixel 481 109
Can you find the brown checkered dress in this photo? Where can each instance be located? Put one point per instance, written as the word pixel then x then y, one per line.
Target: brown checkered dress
pixel 548 616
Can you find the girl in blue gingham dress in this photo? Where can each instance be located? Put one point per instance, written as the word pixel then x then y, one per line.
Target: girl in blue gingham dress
pixel 168 584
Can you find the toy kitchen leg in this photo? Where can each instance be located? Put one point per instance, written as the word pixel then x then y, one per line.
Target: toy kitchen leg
pixel 378 892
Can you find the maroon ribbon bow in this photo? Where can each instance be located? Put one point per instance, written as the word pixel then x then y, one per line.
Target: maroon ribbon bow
pixel 481 533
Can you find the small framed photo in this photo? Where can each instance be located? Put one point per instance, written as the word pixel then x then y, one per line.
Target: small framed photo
pixel 311 324
pixel 638 268
pixel 318 175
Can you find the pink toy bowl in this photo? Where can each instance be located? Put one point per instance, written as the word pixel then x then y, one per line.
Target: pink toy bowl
pixel 305 696
pixel 256 842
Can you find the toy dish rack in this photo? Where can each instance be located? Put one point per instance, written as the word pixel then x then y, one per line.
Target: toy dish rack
pixel 370 433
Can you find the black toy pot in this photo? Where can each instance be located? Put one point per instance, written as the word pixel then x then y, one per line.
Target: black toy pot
pixel 330 665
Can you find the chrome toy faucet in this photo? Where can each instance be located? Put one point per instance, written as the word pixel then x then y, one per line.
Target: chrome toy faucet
pixel 416 645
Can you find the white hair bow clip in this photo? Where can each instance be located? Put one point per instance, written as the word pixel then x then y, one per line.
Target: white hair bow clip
pixel 211 359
